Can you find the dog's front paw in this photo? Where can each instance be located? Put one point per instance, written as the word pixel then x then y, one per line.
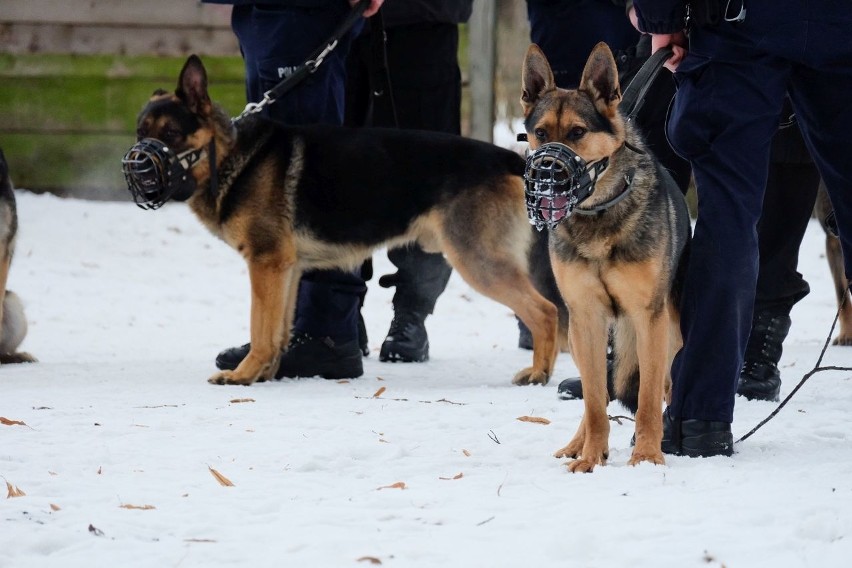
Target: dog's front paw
pixel 842 340
pixel 531 376
pixel 587 458
pixel 582 466
pixel 655 458
pixel 230 378
pixel 572 450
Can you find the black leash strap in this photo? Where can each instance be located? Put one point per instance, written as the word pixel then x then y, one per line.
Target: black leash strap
pixel 310 65
pixel 807 375
pixel 634 95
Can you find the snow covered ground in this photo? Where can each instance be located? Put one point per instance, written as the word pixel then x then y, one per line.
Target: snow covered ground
pixel 122 436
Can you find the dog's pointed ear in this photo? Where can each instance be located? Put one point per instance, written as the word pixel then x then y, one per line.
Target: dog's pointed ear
pixel 600 80
pixel 537 78
pixel 192 86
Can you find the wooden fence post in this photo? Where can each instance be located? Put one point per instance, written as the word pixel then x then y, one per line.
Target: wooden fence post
pixel 482 58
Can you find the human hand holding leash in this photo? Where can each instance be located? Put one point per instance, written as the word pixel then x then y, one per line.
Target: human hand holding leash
pixel 677 42
pixel 371 9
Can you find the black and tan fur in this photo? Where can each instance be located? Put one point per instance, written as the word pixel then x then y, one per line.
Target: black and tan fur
pixel 14 324
pixel 834 255
pixel 296 198
pixel 617 268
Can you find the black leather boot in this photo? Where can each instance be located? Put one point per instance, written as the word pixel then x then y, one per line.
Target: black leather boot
pixel 696 438
pixel 306 356
pixel 407 341
pixel 309 356
pixel 760 378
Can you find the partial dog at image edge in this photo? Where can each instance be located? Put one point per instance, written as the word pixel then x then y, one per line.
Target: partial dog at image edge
pixel 292 198
pixel 617 253
pixel 13 328
pixel 834 255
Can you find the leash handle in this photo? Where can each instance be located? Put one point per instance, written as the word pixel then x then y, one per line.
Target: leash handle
pixel 635 93
pixel 310 65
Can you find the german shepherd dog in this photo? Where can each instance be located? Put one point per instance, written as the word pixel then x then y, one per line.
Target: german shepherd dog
pixel 617 259
pixel 14 324
pixel 833 253
pixel 295 198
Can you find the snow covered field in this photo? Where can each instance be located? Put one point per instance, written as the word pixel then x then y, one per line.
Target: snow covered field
pixel 122 437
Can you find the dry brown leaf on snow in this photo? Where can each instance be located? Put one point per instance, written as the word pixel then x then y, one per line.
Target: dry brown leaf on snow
pixel 379 392
pixel 536 419
pixel 140 507
pixel 14 491
pixel 397 485
pixel 224 481
pixel 466 453
pixel 370 559
pixel 239 400
pixel 55 507
pixel 7 422
pixel 456 476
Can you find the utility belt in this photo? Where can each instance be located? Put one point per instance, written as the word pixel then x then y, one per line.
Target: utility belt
pixel 708 13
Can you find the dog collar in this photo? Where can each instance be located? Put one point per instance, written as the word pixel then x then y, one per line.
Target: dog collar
pixel 625 191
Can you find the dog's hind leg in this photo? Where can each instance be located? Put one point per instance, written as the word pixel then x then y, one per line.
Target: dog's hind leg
pixel 508 283
pixel 841 289
pixel 269 275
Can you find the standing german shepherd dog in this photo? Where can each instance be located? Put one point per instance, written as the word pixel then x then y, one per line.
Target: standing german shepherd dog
pixel 616 258
pixel 296 198
pixel 14 324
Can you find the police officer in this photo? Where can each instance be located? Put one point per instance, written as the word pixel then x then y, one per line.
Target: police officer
pixel 742 57
pixel 419 88
pixel 275 37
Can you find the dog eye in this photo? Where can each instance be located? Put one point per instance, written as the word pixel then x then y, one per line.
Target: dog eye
pixel 540 134
pixel 576 133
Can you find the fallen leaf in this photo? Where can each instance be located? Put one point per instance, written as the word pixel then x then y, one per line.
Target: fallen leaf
pixel 95 530
pixel 379 392
pixel 100 470
pixel 456 476
pixel 55 507
pixel 224 481
pixel 536 419
pixel 239 400
pixel 397 485
pixel 7 422
pixel 14 491
pixel 370 559
pixel 140 507
pixel 466 453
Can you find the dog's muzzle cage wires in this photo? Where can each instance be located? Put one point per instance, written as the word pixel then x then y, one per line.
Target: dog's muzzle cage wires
pixel 155 174
pixel 556 180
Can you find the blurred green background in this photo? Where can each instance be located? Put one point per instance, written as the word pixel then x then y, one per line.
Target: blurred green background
pixel 66 120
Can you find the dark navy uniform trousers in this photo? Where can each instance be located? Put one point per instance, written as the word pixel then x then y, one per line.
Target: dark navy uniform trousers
pixel 275 39
pixel 731 89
